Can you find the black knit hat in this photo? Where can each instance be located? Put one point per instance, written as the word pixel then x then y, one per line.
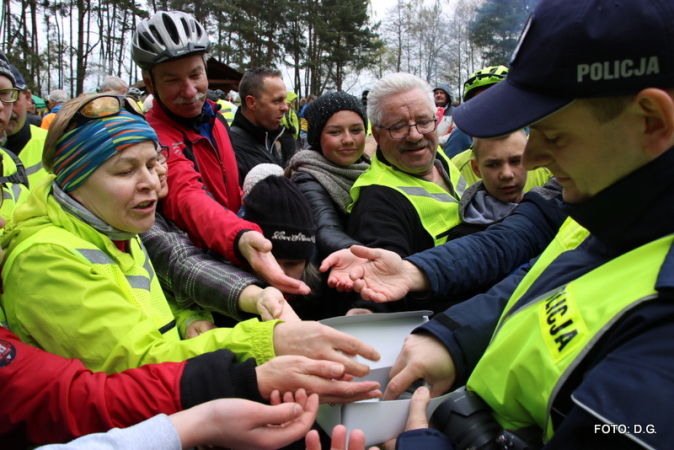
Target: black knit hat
pixel 320 110
pixel 284 215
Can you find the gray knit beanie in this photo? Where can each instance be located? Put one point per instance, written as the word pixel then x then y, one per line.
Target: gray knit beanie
pixel 6 71
pixel 320 110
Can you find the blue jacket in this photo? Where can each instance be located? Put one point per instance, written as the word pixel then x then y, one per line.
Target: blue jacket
pixel 478 261
pixel 627 377
pixel 458 141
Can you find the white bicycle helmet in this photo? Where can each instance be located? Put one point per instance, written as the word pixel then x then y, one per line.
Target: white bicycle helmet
pixel 166 36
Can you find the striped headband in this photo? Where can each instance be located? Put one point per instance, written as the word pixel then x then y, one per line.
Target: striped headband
pixel 84 149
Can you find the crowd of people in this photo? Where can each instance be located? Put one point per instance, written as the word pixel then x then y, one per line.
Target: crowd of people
pixel 166 260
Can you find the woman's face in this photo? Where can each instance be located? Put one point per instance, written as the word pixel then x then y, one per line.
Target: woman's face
pixel 343 138
pixel 294 268
pixel 123 191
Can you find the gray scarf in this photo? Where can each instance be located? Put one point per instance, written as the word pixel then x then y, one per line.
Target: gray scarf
pixel 336 180
pixel 70 205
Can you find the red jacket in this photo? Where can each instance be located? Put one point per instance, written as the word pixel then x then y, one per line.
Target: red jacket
pixel 197 194
pixel 47 398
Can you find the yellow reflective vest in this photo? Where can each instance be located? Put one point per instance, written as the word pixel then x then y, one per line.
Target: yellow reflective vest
pixel 31 155
pixel 69 290
pixel 227 110
pixel 438 210
pixel 536 347
pixel 15 191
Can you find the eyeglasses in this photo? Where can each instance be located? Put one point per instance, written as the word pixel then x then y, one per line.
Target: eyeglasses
pixel 9 95
pixel 162 154
pixel 103 106
pixel 402 131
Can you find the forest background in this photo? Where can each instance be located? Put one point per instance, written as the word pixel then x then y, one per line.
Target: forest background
pixel 320 45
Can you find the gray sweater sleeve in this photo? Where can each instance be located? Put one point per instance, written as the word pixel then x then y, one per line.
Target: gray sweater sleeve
pixel 157 433
pixel 193 276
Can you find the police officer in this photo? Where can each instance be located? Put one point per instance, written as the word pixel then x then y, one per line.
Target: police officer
pixel 579 344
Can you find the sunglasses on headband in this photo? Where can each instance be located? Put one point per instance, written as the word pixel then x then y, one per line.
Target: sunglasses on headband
pixel 103 106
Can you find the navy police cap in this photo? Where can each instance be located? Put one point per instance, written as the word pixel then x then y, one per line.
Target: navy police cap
pixel 573 49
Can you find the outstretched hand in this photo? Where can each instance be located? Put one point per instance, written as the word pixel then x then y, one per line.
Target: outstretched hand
pixel 384 277
pixel 256 249
pixel 340 264
pixel 325 378
pixel 321 342
pixel 242 424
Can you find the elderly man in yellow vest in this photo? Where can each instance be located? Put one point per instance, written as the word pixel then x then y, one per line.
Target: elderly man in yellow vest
pixel 408 200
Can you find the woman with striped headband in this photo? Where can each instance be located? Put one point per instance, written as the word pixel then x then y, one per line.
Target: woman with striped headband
pixel 78 282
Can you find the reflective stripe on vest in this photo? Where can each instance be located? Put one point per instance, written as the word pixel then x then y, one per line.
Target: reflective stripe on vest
pixel 140 286
pixel 438 210
pixel 538 346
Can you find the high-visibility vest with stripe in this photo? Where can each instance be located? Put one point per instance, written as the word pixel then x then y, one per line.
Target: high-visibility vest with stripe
pixel 437 209
pixel 31 155
pixel 536 347
pixel 227 110
pixel 16 191
pixel 137 280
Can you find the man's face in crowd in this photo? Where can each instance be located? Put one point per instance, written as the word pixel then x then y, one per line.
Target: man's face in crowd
pixel 19 111
pixel 499 163
pixel 181 85
pixel 441 97
pixel 584 154
pixel 6 109
pixel 415 153
pixel 268 110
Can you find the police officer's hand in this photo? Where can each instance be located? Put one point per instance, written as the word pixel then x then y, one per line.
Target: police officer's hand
pixel 385 277
pixel 256 249
pixel 422 356
pixel 417 418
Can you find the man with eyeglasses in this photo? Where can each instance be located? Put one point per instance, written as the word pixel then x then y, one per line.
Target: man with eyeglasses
pixel 409 198
pixel 25 139
pixel 13 175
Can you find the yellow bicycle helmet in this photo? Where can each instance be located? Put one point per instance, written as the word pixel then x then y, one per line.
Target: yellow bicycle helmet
pixel 483 77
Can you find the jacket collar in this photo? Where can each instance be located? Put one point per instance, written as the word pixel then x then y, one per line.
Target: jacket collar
pixel 633 211
pixel 18 141
pixel 258 133
pixel 192 124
